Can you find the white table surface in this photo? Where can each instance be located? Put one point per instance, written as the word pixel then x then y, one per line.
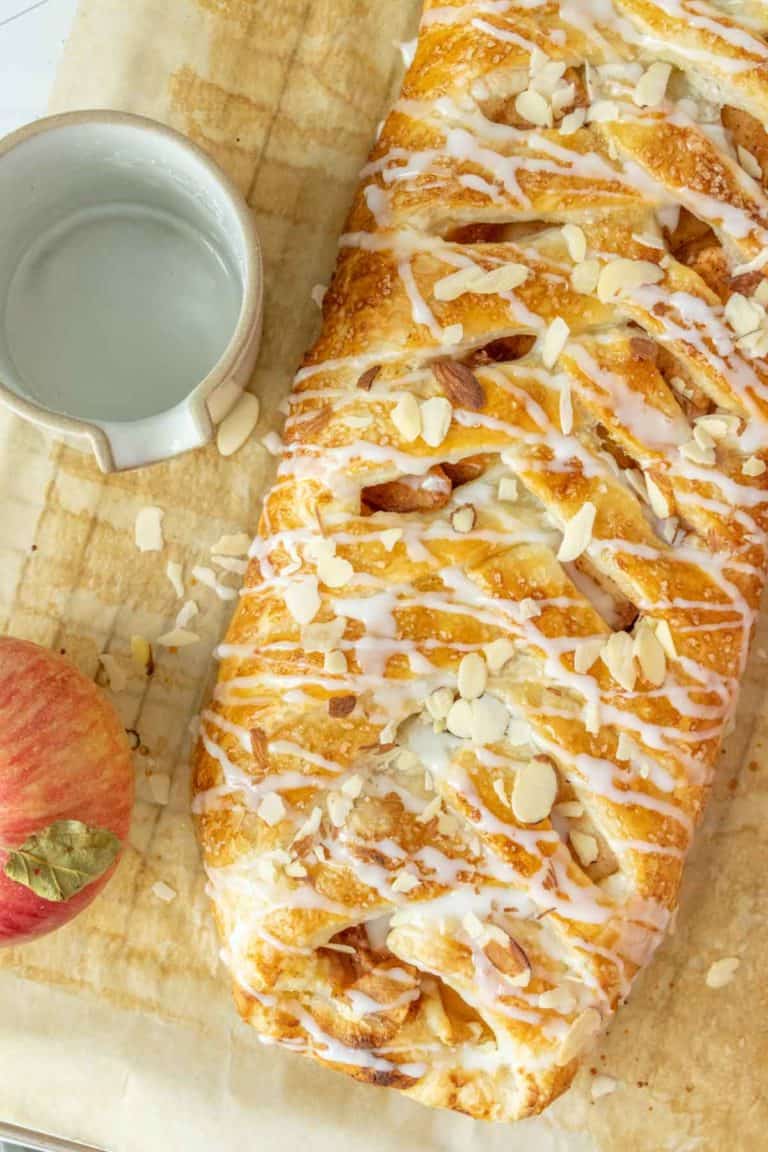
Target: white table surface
pixel 32 35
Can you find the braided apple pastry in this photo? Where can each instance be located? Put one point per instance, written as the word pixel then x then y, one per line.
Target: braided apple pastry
pixel 501 598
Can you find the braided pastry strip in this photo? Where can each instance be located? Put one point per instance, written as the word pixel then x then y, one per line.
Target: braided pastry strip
pixel 501 598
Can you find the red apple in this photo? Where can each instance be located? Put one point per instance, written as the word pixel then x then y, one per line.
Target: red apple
pixel 64 756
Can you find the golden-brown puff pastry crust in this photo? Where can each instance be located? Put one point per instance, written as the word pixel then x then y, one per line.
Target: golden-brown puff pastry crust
pixel 496 615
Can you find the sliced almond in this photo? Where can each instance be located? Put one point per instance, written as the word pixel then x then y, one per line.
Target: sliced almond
pixel 554 341
pixel 405 882
pixel 534 108
pixel 510 959
pixel 603 111
pixel 149 529
pixel 703 436
pixel 235 544
pixel 573 121
pixel 665 638
pixel 722 971
pixel 652 86
pixel 231 564
pixel 754 466
pixel 587 652
pixel 501 791
pixel 569 809
pixel 451 287
pixel 222 400
pixel 498 653
pixel 178 638
pixel 302 599
pixel 272 809
pixel 459 719
pixel 518 731
pixel 339 808
pixel 406 417
pixel 577 534
pixel 650 655
pixel 453 335
pixel 352 786
pixel 436 416
pixel 697 453
pixel 592 716
pixel 318 548
pixel 325 636
pixel 585 276
pixel 546 75
pixel 310 825
pixel 562 97
pixel 335 663
pixel 334 571
pixel 238 425
pixel 439 703
pixel 719 425
pixel 186 613
pixel 657 499
pixel 575 242
pixel 472 676
pixel 744 315
pixel 505 278
pixel 534 791
pixel 459 383
pixel 480 281
pixel 618 656
pixel 585 846
pixel 754 343
pixel 622 275
pixel 489 720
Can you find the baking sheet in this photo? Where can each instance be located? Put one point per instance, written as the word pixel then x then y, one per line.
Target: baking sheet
pixel 118 1031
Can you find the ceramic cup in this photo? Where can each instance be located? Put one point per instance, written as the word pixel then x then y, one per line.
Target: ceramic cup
pixel 130 286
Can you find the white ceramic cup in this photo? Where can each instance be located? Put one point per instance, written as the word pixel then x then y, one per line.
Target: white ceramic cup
pixel 93 207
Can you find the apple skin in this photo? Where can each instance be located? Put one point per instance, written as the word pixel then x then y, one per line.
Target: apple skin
pixel 64 755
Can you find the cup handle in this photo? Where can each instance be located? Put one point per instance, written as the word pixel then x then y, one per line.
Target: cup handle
pixel 119 447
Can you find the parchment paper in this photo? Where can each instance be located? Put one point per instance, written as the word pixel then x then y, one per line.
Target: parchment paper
pixel 118 1031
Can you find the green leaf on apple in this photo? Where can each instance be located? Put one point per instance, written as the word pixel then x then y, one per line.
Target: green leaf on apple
pixel 59 861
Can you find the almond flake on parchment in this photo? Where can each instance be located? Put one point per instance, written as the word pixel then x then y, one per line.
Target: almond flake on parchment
pixel 149 529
